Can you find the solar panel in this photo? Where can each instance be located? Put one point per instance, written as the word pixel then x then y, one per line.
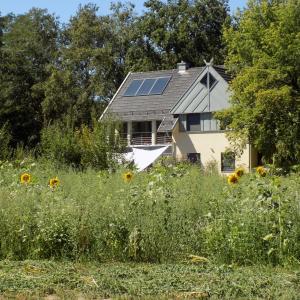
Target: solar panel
pixel 149 86
pixel 146 86
pixel 133 87
pixel 160 85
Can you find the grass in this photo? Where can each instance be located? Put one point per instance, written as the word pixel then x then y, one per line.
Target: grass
pixel 161 216
pixel 172 232
pixel 70 280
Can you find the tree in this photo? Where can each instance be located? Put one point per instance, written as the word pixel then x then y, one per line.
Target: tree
pixel 90 65
pixel 29 44
pixel 264 58
pixel 178 30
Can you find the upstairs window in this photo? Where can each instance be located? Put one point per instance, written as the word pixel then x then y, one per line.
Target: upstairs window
pixel 227 161
pixel 208 80
pixel 201 122
pixel 193 122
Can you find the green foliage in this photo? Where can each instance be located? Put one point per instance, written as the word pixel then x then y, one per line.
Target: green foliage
pixel 5 138
pixel 29 46
pixel 83 147
pixel 163 215
pixel 263 55
pixel 85 72
pixel 172 31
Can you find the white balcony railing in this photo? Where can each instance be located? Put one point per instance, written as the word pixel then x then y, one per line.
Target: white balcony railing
pixel 145 138
pixel 141 138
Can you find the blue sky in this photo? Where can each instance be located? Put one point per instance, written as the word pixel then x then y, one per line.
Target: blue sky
pixel 65 8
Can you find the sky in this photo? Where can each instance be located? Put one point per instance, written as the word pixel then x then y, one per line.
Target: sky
pixel 66 8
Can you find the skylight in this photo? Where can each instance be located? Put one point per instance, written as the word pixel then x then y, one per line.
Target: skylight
pixel 145 87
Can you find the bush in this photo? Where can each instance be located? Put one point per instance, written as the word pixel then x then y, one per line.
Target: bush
pixel 85 147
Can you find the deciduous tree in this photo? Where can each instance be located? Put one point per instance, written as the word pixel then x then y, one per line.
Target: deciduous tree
pixel 264 57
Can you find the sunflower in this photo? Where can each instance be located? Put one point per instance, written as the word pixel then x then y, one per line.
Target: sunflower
pixel 261 171
pixel 127 176
pixel 54 182
pixel 25 178
pixel 232 178
pixel 239 172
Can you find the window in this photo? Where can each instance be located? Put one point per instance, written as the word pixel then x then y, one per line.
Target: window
pixel 194 158
pixel 227 161
pixel 205 82
pixel 145 87
pixel 193 122
pixel 201 122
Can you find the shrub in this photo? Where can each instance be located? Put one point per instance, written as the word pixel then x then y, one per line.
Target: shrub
pixel 83 147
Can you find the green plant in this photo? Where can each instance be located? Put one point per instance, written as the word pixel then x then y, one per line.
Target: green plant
pixel 163 215
pixel 5 138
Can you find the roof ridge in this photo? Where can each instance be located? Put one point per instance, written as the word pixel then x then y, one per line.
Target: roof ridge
pixel 165 70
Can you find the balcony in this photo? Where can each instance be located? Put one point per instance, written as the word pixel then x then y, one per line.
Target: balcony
pixel 145 138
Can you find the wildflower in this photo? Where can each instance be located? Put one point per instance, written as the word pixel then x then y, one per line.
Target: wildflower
pixel 232 178
pixel 25 178
pixel 127 176
pixel 239 172
pixel 54 182
pixel 261 171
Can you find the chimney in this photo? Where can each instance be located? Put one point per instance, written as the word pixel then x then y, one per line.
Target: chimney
pixel 182 67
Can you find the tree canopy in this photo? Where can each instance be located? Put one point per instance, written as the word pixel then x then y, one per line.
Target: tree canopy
pixel 264 58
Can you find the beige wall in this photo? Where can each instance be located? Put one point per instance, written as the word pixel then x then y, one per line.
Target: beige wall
pixel 210 145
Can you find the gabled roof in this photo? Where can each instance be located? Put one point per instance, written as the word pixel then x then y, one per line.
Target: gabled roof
pixel 204 97
pixel 152 107
pixel 184 93
pixel 222 71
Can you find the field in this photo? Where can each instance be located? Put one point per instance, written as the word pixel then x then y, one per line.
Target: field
pixel 174 231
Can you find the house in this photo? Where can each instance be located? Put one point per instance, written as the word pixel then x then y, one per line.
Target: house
pixel 175 108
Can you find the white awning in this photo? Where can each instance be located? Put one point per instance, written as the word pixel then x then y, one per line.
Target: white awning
pixel 144 158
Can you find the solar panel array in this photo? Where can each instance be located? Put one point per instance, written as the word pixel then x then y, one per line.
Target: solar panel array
pixel 145 87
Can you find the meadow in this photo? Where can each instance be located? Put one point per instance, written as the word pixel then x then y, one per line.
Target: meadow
pixel 173 215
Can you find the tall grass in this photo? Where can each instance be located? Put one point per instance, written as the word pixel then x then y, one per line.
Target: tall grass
pixel 163 215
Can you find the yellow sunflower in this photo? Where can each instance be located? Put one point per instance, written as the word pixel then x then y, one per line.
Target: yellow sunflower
pixel 25 178
pixel 239 172
pixel 128 176
pixel 232 179
pixel 54 182
pixel 261 171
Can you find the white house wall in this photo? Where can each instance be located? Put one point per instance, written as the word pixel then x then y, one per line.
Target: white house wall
pixel 210 145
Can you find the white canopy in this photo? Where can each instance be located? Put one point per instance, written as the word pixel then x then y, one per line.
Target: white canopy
pixel 144 158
